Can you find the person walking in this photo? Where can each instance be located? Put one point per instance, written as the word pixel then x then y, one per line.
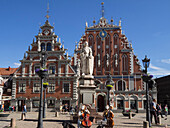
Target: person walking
pixel 166 111
pixel 154 111
pixel 159 110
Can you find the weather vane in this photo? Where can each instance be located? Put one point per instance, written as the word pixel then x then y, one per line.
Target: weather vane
pixel 47 16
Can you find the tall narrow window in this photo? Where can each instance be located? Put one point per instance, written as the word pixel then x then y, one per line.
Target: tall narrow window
pixel 91 42
pixel 42 47
pixel 66 88
pixel 124 63
pixel 48 46
pixel 22 87
pixel 36 87
pixel 121 85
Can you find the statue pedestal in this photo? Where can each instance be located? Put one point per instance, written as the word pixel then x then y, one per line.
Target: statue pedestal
pixel 86 90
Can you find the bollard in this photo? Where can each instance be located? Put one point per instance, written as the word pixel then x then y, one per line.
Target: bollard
pixel 56 114
pixel 13 122
pixel 22 116
pixel 130 115
pixel 159 120
pixel 145 124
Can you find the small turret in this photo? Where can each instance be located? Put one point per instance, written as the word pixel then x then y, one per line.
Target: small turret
pixel 120 22
pixel 86 24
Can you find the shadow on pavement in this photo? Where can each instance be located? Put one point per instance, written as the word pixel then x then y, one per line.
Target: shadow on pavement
pixel 48 120
pixel 6 120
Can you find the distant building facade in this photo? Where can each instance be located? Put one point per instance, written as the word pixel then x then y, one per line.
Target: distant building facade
pixel 163 87
pixel 6 75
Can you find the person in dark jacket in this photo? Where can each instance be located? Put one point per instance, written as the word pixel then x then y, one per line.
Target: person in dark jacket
pixel 159 110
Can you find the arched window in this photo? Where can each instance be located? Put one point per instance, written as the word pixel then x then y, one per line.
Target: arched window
pixel 124 63
pixel 121 85
pixel 48 46
pixel 42 47
pixel 115 40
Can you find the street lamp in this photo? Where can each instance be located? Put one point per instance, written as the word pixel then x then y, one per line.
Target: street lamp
pixel 146 78
pixel 42 72
pixel 109 85
pixel 45 85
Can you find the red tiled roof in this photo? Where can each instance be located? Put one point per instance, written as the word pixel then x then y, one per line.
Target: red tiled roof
pixel 7 71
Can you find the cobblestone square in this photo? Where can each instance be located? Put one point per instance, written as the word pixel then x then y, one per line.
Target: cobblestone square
pixel 56 122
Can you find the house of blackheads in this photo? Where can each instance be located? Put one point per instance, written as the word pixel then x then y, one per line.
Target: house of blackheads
pixel 113 55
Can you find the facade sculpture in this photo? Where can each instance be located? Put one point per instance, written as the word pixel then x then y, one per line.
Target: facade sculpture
pixel 87 60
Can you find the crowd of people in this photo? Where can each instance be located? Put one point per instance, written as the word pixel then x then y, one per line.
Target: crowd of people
pixel 67 108
pixel 156 110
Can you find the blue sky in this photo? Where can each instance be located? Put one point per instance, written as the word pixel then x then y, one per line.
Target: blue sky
pixel 146 23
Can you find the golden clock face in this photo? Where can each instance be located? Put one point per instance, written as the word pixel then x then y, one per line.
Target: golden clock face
pixel 103 34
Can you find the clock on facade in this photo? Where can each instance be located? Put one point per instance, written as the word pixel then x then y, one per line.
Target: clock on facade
pixel 103 34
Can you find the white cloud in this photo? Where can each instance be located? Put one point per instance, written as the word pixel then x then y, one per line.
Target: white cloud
pixel 17 64
pixel 157 71
pixel 167 61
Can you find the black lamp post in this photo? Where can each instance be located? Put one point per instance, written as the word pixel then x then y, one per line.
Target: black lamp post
pixel 109 85
pixel 146 79
pixel 42 74
pixel 44 105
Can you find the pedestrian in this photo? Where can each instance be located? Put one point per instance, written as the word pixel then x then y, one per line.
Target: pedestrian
pixel 153 111
pixel 24 110
pixel 159 110
pixel 10 108
pixel 166 111
pixel 13 108
pixel 71 110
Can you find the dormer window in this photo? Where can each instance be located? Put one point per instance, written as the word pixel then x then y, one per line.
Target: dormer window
pixel 48 46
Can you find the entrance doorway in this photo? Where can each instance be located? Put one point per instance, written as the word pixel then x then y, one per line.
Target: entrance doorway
pixel 101 103
pixel 20 104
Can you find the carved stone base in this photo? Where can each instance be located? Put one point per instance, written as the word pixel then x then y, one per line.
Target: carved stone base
pixel 86 90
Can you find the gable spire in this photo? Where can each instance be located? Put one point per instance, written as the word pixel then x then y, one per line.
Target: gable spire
pixel 47 16
pixel 102 9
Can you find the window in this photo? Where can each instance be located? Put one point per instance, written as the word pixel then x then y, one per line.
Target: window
pixel 121 85
pixel 50 103
pixel 35 103
pixel 48 46
pixel 119 104
pixel 52 70
pixel 124 63
pixel 133 104
pixel 66 88
pixel 36 87
pixel 22 87
pixel 42 47
pixel 51 88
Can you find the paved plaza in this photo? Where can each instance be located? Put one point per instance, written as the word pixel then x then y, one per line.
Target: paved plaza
pixel 56 122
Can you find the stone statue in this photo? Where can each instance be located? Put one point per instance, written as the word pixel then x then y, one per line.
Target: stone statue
pixel 87 60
